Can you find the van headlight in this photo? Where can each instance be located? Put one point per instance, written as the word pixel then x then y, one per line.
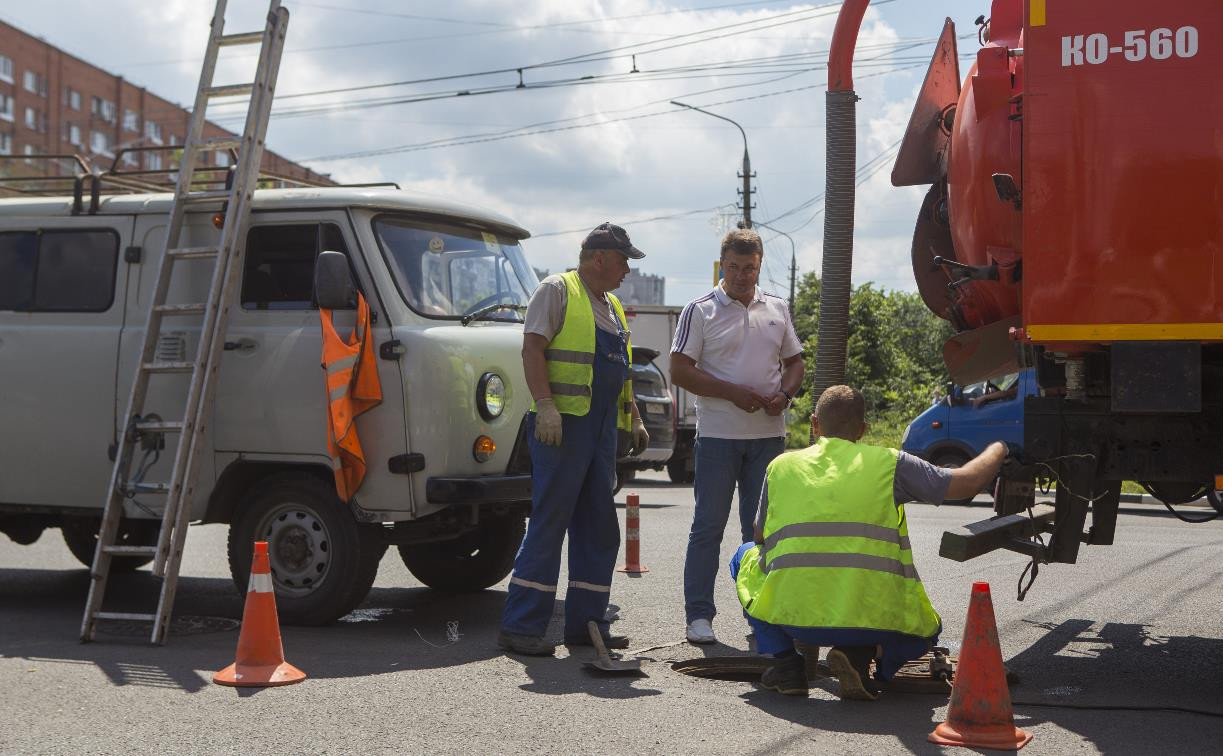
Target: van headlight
pixel 490 396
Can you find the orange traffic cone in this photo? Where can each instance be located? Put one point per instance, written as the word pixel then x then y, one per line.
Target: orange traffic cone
pixel 260 661
pixel 980 713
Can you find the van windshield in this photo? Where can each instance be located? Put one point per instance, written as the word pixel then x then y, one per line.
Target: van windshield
pixel 447 271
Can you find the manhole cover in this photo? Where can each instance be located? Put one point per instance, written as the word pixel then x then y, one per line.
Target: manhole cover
pixel 914 677
pixel 185 625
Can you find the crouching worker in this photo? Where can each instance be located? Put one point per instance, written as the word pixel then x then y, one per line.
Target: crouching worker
pixel 832 565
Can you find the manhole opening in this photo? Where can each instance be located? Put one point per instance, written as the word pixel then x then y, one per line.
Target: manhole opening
pixel 187 624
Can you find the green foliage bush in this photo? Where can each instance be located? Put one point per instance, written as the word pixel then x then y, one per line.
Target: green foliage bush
pixel 894 357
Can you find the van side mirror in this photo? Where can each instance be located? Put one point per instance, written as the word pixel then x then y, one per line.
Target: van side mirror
pixel 333 285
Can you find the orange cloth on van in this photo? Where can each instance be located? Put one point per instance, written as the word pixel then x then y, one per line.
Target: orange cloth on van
pixel 352 388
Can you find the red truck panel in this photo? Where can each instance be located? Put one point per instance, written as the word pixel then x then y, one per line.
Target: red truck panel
pixel 1123 170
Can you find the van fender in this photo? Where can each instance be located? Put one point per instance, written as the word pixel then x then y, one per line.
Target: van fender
pixel 244 473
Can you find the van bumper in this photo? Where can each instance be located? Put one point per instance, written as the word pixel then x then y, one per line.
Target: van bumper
pixel 483 489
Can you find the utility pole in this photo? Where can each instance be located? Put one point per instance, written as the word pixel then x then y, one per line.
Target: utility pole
pixel 793 259
pixel 746 174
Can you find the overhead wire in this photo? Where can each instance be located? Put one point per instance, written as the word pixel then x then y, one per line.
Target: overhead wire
pixel 530 131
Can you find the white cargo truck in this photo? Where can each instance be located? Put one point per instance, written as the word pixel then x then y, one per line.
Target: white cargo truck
pixel 654 326
pixel 448 478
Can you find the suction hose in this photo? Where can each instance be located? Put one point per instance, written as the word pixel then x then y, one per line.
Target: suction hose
pixel 839 197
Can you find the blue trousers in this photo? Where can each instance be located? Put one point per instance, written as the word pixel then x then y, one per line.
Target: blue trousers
pixel 721 464
pixel 571 491
pixel 898 648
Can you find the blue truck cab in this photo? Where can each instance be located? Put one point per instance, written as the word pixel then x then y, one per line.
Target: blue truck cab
pixel 961 424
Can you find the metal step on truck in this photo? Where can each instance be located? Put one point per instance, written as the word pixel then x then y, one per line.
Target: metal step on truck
pixel 448 474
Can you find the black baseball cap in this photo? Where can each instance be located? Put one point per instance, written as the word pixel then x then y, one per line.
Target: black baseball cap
pixel 611 236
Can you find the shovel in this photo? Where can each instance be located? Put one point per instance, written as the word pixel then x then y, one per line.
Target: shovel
pixel 603 660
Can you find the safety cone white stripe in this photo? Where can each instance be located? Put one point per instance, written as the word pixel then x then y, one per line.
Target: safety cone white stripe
pixel 590 586
pixel 531 584
pixel 261 582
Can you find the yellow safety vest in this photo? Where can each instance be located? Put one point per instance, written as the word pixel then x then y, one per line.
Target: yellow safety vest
pixel 836 548
pixel 571 355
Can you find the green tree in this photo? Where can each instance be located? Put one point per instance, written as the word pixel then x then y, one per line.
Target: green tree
pixel 894 356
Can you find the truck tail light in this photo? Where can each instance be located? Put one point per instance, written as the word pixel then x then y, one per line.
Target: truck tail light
pixel 936 424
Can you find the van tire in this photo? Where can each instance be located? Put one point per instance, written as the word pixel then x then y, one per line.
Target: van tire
pixel 471 562
pixel 81 536
pixel 309 531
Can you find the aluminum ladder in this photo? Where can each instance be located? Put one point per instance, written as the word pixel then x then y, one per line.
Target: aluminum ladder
pixel 227 256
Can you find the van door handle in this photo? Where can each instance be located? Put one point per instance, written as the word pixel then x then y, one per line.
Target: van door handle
pixel 241 345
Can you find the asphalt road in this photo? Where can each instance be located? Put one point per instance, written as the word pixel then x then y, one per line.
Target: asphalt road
pixel 1137 624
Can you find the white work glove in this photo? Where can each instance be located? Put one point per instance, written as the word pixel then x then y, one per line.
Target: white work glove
pixel 641 439
pixel 547 422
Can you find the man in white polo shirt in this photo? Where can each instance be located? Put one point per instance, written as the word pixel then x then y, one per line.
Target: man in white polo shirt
pixel 736 349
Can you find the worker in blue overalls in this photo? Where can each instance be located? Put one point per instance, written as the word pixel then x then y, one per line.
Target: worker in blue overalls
pixel 576 355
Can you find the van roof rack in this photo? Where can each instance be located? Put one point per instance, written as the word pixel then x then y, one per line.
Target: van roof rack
pixel 64 170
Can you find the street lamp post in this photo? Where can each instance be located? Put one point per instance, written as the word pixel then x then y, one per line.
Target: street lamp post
pixel 746 175
pixel 793 260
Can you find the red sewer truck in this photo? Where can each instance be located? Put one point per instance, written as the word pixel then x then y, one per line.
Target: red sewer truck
pixel 1074 224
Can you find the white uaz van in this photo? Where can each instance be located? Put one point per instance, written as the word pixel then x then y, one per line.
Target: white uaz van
pixel 445 282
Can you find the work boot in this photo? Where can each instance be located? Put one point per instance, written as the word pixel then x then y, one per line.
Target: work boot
pixel 610 641
pixel 527 645
pixel 812 656
pixel 852 666
pixel 787 676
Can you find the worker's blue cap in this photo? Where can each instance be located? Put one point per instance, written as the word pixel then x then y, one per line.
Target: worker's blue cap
pixel 611 236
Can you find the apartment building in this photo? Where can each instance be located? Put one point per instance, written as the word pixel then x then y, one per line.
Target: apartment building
pixel 52 102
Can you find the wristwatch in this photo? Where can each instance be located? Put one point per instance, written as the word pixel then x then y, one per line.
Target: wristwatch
pixel 789 397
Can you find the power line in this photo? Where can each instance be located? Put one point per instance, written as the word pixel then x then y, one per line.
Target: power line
pixel 635 222
pixel 532 131
pixel 599 55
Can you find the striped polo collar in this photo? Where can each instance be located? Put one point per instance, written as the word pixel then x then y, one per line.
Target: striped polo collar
pixel 724 299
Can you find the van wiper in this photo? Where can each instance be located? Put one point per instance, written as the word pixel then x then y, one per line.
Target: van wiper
pixel 491 308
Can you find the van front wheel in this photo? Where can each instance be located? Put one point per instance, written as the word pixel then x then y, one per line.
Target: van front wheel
pixel 323 561
pixel 471 562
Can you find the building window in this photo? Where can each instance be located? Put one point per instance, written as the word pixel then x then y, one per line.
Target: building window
pixel 223 159
pixel 131 158
pixel 104 109
pixel 6 69
pixel 29 151
pixel 154 161
pixel 36 119
pixel 35 82
pixel 6 107
pixel 72 98
pixel 72 134
pixel 131 120
pixel 6 144
pixel 100 143
pixel 152 130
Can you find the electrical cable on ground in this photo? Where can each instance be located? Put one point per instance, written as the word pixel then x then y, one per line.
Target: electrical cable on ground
pixel 1117 707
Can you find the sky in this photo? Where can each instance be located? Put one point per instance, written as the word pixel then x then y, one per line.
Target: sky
pixel 591 136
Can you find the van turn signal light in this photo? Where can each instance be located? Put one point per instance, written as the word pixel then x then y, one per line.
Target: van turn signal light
pixel 218 220
pixel 483 449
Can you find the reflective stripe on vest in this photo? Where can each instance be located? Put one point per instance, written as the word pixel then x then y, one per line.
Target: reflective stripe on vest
pixel 353 387
pixel 836 551
pixel 571 354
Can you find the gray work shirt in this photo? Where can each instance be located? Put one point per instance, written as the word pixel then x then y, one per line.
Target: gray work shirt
pixel 546 309
pixel 915 480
